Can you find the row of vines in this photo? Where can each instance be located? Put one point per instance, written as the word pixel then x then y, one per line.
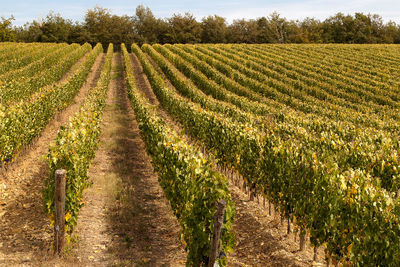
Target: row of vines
pixel 31 95
pixel 319 142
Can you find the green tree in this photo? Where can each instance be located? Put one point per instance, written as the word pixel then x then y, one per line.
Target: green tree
pixel 103 27
pixel 30 32
pixel 78 34
pixel 97 24
pixel 339 29
pixel 55 29
pixel 148 28
pixel 275 29
pixel 391 33
pixel 7 33
pixel 243 31
pixel 183 29
pixel 310 31
pixel 214 29
pixel 278 27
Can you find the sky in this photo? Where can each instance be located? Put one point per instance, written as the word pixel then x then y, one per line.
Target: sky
pixel 26 11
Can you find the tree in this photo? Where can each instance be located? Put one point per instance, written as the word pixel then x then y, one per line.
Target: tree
pixel 391 33
pixel 338 29
pixel 102 27
pixel 243 31
pixel 7 33
pixel 310 31
pixel 277 27
pixel 30 32
pixel 214 29
pixel 78 34
pixel 183 29
pixel 148 28
pixel 55 29
pixel 97 24
pixel 363 29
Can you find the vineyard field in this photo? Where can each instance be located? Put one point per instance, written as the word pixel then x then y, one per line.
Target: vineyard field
pixel 312 130
pixel 311 127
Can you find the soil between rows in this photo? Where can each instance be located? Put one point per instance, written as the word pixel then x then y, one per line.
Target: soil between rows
pixel 126 221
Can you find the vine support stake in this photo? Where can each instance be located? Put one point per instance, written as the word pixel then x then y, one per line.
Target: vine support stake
pixel 218 222
pixel 252 193
pixel 269 208
pixel 302 239
pixel 59 211
pixel 315 253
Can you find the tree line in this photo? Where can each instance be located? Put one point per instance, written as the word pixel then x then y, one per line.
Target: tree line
pixel 100 25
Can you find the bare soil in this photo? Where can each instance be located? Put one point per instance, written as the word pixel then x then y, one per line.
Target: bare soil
pixel 25 233
pixel 262 240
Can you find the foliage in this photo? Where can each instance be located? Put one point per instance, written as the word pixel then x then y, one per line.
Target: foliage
pixel 214 29
pixel 20 83
pixel 75 148
pixel 143 27
pixel 100 25
pixel 326 175
pixel 191 185
pixel 103 27
pixel 149 29
pixel 22 121
pixel 184 29
pixel 6 32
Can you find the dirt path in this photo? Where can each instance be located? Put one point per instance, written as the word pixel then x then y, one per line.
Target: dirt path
pixel 126 220
pixel 24 229
pixel 260 239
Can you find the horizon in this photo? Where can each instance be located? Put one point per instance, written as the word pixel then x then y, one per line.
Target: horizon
pixel 74 10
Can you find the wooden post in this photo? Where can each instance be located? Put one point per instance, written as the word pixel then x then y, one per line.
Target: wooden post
pixel 315 253
pixel 269 208
pixel 218 221
pixel 252 192
pixel 59 211
pixel 302 239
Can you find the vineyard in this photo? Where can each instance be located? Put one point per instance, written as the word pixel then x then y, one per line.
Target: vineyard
pixel 311 130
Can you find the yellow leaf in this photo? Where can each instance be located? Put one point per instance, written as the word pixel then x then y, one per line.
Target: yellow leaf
pixel 349 248
pixel 353 190
pixel 68 216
